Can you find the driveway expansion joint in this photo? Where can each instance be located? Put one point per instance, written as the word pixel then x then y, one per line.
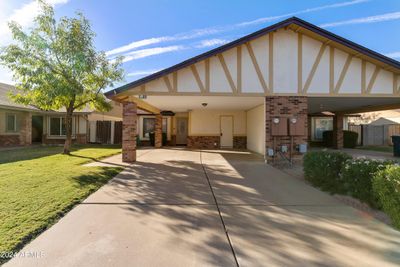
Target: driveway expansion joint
pixel 219 211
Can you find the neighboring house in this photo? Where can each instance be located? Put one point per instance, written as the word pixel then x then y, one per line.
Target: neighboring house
pixel 318 124
pixel 258 92
pixel 24 125
pixel 374 117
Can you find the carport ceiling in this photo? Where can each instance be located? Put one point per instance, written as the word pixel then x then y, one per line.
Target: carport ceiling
pixel 348 105
pixel 185 103
pixel 351 105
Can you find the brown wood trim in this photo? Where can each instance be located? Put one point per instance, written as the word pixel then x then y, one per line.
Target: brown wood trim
pixel 343 73
pixel 372 80
pixel 207 74
pixel 331 69
pixel 271 62
pixel 257 67
pixel 175 81
pixel 227 73
pixel 299 63
pixel 168 84
pixel 314 67
pixel 197 77
pixel 363 76
pixel 239 68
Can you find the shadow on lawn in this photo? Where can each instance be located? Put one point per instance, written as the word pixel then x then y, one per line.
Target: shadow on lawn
pixel 288 235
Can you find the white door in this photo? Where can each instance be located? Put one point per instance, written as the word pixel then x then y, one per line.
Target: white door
pixel 181 131
pixel 226 131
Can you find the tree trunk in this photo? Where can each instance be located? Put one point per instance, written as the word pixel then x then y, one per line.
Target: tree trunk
pixel 68 129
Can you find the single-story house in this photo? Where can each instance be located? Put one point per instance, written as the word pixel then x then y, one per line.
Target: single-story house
pixel 24 125
pixel 260 91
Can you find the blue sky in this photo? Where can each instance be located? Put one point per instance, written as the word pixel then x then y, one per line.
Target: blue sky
pixel 155 34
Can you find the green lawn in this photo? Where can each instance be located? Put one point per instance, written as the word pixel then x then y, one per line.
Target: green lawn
pixel 388 149
pixel 39 185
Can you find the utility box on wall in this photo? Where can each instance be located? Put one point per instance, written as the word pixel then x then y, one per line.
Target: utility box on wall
pixel 279 126
pixel 296 126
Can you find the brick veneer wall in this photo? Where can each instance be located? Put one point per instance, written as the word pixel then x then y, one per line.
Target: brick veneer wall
pixel 26 129
pixel 285 106
pixel 158 131
pixel 207 142
pixel 24 135
pixel 338 131
pixel 240 142
pixel 81 139
pixel 9 140
pixel 129 131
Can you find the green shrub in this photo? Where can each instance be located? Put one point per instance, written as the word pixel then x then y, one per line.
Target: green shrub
pixel 322 169
pixel 386 187
pixel 357 175
pixel 349 139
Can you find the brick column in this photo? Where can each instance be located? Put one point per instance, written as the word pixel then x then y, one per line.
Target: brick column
pixel 158 131
pixel 285 107
pixel 26 129
pixel 338 131
pixel 129 131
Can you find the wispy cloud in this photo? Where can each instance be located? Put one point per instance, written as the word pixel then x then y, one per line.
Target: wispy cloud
pixel 211 42
pixel 141 73
pixel 137 44
pixel 24 16
pixel 393 55
pixel 142 53
pixel 219 29
pixel 304 11
pixel 365 20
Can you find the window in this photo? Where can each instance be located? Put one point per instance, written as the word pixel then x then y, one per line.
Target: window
pixel 57 126
pixel 149 126
pixel 321 125
pixel 11 122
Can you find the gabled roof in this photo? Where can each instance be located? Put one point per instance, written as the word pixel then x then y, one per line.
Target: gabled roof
pixel 6 102
pixel 285 23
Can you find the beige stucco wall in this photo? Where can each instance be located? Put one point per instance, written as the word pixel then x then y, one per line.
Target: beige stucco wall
pixel 207 122
pixel 285 75
pixel 256 129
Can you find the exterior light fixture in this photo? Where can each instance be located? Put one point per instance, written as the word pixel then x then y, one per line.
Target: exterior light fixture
pixel 293 120
pixel 275 120
pixel 142 96
pixel 204 104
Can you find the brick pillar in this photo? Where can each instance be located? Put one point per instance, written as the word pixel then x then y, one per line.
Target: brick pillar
pixel 338 131
pixel 26 129
pixel 285 107
pixel 129 131
pixel 158 131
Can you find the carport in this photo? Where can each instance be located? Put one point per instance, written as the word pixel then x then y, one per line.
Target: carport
pixel 258 92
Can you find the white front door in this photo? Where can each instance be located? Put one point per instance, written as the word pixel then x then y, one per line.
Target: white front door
pixel 226 131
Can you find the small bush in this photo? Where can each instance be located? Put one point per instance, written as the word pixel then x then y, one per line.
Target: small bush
pixel 357 175
pixel 386 187
pixel 349 139
pixel 322 169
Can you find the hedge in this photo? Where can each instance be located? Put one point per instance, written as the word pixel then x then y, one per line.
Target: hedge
pixel 322 169
pixel 357 176
pixel 386 186
pixel 371 181
pixel 349 139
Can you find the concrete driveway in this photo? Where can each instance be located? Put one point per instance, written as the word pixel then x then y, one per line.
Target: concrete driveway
pixel 176 207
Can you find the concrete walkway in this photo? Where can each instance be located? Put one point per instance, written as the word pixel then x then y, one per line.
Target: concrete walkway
pixel 177 207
